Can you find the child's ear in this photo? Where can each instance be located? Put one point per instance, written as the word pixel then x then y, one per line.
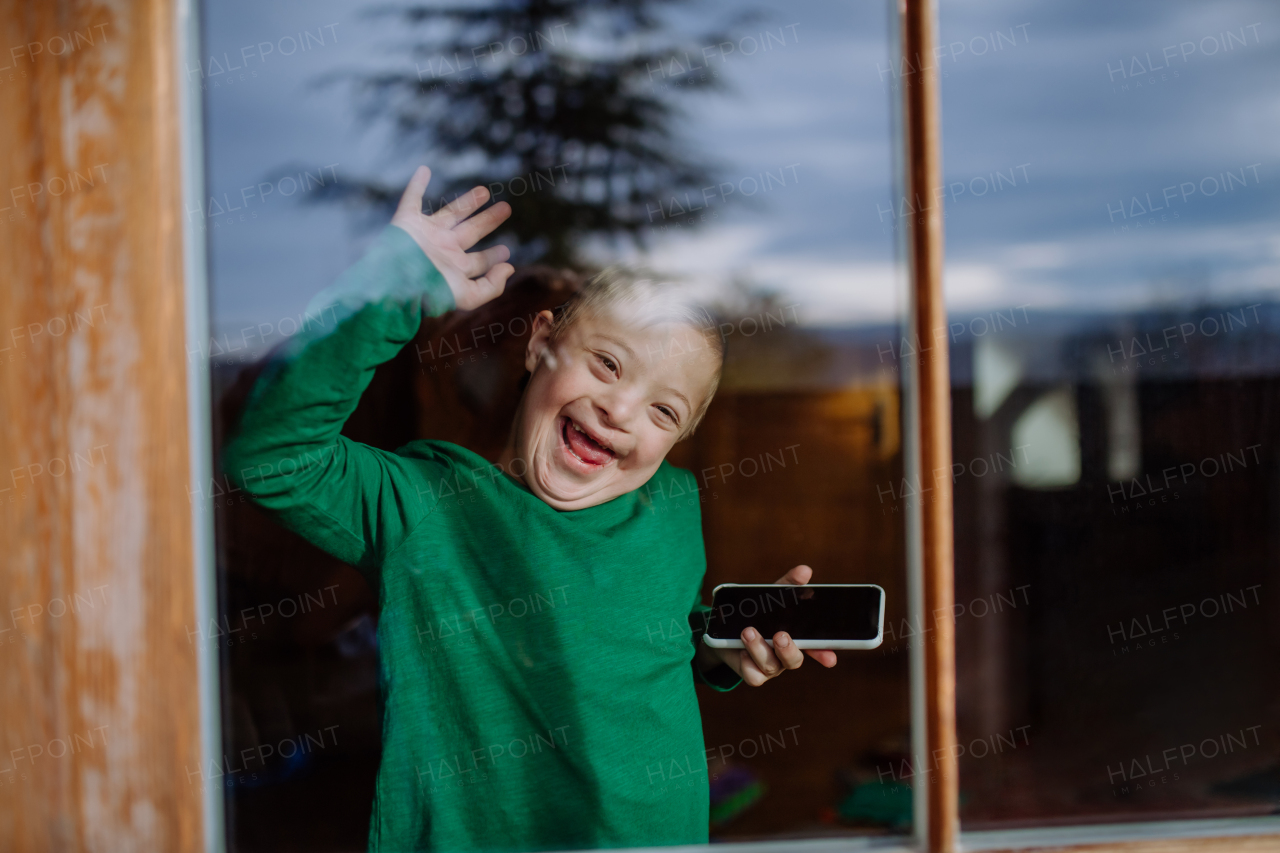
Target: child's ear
pixel 539 340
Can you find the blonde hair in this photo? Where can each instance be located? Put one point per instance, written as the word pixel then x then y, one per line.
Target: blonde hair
pixel 649 299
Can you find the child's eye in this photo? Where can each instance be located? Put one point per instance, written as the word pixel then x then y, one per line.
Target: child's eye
pixel 608 363
pixel 670 413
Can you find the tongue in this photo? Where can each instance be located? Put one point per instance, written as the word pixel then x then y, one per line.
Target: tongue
pixel 586 449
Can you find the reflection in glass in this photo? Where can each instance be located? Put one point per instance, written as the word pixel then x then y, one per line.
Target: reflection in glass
pixel 1112 284
pixel 748 151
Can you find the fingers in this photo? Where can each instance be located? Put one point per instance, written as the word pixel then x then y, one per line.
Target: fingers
pixel 760 654
pixel 411 200
pixel 479 263
pixel 749 672
pixel 767 663
pixel 471 231
pixel 786 652
pixel 492 283
pixel 826 657
pixel 460 208
pixel 759 663
pixel 799 576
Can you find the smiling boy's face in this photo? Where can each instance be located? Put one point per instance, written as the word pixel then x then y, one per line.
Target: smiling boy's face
pixel 606 402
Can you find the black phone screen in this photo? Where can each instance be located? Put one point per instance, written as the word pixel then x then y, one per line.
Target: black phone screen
pixel 812 612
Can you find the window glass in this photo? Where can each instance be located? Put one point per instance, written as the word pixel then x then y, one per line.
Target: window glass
pixel 1111 282
pixel 746 148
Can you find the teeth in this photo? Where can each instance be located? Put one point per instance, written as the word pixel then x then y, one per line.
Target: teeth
pixel 569 447
pixel 584 432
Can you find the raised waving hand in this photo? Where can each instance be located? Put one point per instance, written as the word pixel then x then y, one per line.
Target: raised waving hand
pixel 446 235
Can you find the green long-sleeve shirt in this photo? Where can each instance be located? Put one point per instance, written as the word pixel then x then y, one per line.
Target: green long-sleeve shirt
pixel 536 669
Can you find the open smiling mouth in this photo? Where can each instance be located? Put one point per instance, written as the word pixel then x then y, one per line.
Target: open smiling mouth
pixel 583 447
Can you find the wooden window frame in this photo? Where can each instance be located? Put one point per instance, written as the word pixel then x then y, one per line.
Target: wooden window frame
pixel 108 704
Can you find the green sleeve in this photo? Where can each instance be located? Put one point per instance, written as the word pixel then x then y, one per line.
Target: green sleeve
pixel 722 677
pixel 356 502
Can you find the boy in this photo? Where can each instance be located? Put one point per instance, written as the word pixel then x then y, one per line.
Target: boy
pixel 559 719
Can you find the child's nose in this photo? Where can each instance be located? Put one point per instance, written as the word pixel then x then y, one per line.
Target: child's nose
pixel 617 409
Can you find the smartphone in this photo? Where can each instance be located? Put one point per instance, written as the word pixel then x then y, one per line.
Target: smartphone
pixel 816 615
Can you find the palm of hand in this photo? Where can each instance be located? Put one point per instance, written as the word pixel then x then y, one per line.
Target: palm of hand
pixel 474 278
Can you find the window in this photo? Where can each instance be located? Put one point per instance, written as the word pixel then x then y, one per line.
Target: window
pixel 1106 447
pixel 1051 444
pixel 730 165
pixel 1110 289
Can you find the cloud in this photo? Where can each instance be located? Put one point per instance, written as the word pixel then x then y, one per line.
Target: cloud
pixel 823 102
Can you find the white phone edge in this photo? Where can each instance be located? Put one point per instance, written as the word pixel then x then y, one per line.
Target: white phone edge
pixel 811 643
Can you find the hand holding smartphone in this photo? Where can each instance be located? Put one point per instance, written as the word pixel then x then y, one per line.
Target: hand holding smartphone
pixel 816 616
